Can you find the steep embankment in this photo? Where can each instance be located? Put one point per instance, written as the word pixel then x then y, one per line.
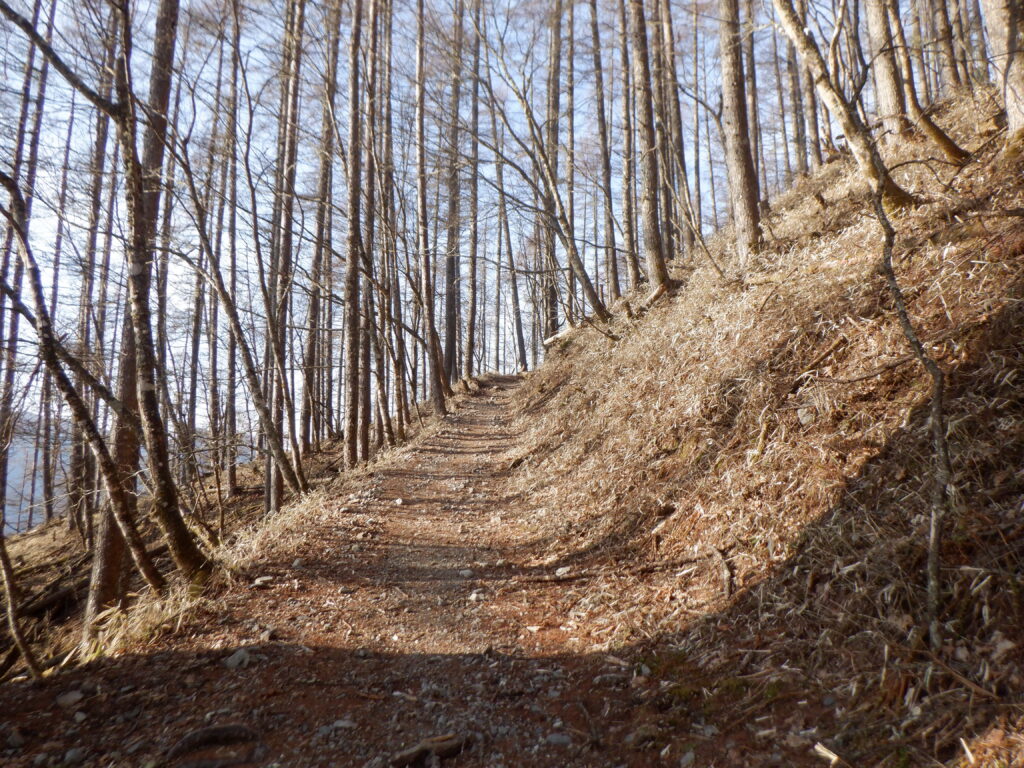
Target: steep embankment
pixel 770 437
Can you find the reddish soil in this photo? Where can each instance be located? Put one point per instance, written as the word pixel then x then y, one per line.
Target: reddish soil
pixel 407 610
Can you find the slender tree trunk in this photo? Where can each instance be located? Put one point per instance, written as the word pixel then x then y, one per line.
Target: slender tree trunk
pixel 653 247
pixel 743 187
pixel 1004 21
pixel 503 228
pixel 889 93
pixel 697 192
pixel 230 406
pixel 923 120
pixel 452 292
pixel 552 119
pixel 474 193
pixel 324 219
pixel 142 198
pixel 611 256
pixel 780 94
pixel 947 54
pixel 433 351
pixel 750 89
pixel 797 99
pixel 628 157
pixel 353 256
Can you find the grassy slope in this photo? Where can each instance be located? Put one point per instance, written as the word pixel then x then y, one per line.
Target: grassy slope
pixel 760 449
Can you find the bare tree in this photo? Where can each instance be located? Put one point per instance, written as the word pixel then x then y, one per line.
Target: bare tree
pixel 743 186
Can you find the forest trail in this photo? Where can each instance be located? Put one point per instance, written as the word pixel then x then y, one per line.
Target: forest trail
pixel 407 610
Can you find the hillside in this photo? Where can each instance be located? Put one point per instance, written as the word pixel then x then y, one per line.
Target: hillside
pixel 763 447
pixel 696 537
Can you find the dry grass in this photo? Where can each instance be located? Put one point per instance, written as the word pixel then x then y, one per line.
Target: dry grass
pixel 766 442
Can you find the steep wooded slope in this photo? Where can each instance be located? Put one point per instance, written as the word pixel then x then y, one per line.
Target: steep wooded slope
pixel 762 446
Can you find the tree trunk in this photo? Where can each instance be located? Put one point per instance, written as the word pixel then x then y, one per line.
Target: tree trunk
pixel 452 293
pixel 611 257
pixel 950 74
pixel 743 187
pixel 923 120
pixel 653 247
pixel 552 119
pixel 1004 21
pixel 889 94
pixel 628 157
pixel 797 102
pixel 353 256
pixel 142 197
pixel 324 220
pixel 809 100
pixel 433 345
pixel 474 194
pixel 504 229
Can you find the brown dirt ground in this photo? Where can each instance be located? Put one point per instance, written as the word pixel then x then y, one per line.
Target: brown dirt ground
pixel 409 609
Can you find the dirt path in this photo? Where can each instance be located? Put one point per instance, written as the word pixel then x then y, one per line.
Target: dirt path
pixel 408 610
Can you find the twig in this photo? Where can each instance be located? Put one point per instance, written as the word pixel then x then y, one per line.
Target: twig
pixel 943 470
pixel 870 374
pixel 969 683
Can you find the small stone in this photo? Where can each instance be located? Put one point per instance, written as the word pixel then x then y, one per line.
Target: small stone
pixel 70 698
pixel 262 582
pixel 15 739
pixel 298 562
pixel 559 739
pixel 75 755
pixel 268 634
pixel 79 716
pixel 687 759
pixel 399 502
pixel 563 571
pixel 466 573
pixel 644 735
pixel 239 659
pixel 41 759
pixel 805 415
pixel 346 724
pixel 477 596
